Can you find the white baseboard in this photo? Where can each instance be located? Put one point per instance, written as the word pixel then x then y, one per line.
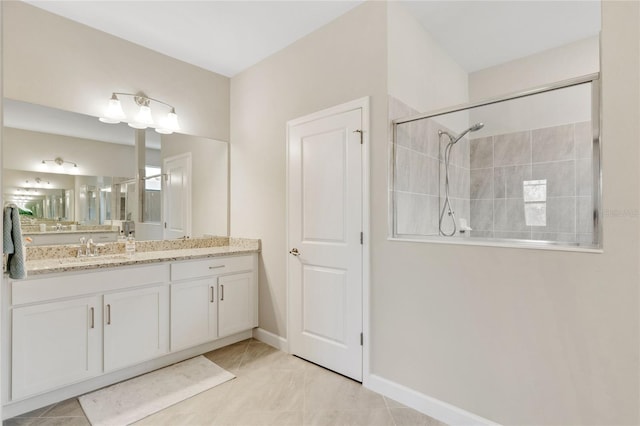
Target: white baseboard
pixel 271 339
pixel 432 407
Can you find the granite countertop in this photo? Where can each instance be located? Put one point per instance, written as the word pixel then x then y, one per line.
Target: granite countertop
pixel 152 253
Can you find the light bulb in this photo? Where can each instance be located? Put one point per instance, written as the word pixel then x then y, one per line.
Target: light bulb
pixel 169 124
pixel 143 118
pixel 114 114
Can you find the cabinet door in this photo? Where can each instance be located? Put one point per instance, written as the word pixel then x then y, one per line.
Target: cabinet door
pixel 136 326
pixel 55 344
pixel 193 312
pixel 236 303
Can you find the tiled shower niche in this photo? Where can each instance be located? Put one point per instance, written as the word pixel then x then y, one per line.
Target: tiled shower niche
pixel 523 185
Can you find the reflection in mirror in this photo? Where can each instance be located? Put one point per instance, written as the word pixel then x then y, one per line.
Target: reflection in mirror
pixel 102 191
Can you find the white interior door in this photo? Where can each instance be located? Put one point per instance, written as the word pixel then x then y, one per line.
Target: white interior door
pixel 324 226
pixel 176 203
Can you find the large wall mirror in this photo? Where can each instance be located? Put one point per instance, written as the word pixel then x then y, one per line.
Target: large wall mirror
pixel 68 171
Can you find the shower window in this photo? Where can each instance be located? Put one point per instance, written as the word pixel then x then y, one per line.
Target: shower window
pixel 524 169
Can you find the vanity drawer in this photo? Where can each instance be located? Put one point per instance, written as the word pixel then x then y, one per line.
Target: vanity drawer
pixel 72 284
pixel 212 266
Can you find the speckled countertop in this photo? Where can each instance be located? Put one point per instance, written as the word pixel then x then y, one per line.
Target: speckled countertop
pixel 55 259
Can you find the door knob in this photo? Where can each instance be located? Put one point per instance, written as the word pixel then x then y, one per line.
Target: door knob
pixel 294 251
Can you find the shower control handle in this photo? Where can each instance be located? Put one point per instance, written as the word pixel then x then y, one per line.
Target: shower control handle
pixel 294 251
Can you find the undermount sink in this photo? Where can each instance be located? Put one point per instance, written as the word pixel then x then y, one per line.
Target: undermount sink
pixel 93 259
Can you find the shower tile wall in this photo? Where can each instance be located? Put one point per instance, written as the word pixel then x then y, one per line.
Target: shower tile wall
pixel 419 175
pixel 500 165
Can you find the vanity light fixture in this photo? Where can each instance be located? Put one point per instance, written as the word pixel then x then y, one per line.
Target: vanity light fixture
pixel 38 181
pixel 143 118
pixel 60 162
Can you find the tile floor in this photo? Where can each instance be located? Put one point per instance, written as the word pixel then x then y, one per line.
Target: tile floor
pixel 271 388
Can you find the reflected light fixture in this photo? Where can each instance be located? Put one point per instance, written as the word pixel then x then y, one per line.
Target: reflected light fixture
pixel 38 181
pixel 144 117
pixel 60 162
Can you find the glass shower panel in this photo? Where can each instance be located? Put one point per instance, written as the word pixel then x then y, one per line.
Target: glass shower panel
pixel 525 168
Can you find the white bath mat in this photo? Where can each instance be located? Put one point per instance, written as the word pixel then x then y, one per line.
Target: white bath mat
pixel 126 402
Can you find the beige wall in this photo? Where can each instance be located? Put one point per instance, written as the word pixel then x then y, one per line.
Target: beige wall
pixel 420 72
pixel 52 61
pixel 342 61
pixel 564 62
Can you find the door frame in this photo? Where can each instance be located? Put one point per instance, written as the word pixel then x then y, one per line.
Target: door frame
pixel 363 104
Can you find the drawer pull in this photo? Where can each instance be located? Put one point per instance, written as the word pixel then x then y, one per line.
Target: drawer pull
pixel 221 292
pixel 211 294
pixel 216 267
pixel 108 314
pixel 92 318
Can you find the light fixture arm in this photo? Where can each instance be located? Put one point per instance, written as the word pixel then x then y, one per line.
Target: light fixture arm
pixel 141 99
pixel 60 162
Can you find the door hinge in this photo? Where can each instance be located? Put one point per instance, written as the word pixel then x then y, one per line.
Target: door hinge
pixel 361 136
pixel 165 225
pixel 362 238
pixel 361 339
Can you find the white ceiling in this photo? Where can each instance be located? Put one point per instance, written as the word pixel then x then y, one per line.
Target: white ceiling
pixel 228 37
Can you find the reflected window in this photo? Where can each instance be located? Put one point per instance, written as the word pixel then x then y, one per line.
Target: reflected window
pixel 152 194
pixel 535 202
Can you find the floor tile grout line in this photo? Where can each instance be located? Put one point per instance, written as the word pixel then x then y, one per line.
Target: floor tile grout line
pixel 246 349
pixel 46 411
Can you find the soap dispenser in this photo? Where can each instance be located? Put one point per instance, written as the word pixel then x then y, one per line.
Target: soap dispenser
pixel 130 245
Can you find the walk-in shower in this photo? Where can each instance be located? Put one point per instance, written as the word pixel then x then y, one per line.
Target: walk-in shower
pixel 446 207
pixel 530 176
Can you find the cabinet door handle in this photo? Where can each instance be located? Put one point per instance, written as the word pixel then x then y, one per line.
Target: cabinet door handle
pixel 212 294
pixel 92 317
pixel 221 292
pixel 108 314
pixel 216 267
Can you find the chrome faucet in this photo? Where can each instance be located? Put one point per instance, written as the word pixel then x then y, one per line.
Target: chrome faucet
pixel 82 250
pixel 92 249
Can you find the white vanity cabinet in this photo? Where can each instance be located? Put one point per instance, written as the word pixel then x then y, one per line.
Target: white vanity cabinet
pixel 71 327
pixel 135 326
pixel 236 310
pixel 212 298
pixel 194 312
pixel 71 332
pixel 55 344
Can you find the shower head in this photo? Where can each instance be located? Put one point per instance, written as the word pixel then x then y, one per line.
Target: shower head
pixel 455 139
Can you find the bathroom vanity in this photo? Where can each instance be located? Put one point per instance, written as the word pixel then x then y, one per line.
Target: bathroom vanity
pixel 78 324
